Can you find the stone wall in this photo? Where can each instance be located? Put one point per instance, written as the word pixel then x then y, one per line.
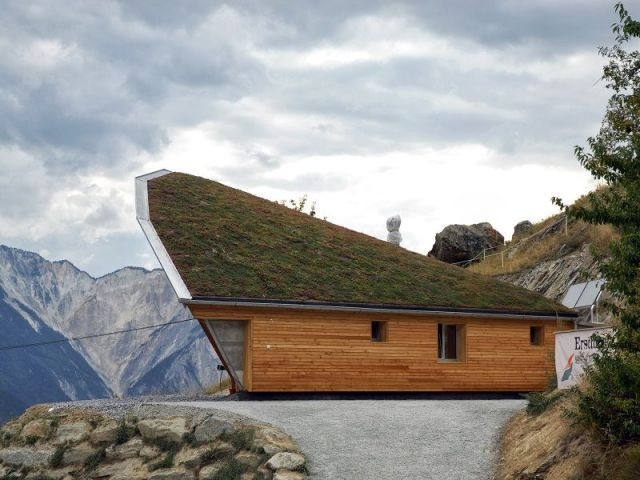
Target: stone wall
pixel 151 442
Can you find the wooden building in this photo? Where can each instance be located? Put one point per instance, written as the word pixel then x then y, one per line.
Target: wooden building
pixel 293 303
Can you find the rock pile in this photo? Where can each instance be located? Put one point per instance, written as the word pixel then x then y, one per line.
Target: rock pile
pixel 457 243
pixel 65 444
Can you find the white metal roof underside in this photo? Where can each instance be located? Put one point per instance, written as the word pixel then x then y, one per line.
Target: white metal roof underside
pixel 142 214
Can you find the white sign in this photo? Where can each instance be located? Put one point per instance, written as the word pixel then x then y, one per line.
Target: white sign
pixel 574 350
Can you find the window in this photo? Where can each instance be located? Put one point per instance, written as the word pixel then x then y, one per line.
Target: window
pixel 536 335
pixel 378 331
pixel 450 342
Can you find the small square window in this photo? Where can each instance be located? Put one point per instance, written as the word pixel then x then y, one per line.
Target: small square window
pixel 378 331
pixel 536 335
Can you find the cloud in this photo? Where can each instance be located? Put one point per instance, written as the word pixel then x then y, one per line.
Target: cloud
pixel 356 103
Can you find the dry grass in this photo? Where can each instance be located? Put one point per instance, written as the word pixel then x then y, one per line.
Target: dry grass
pixel 556 243
pixel 551 446
pixel 530 442
pixel 217 387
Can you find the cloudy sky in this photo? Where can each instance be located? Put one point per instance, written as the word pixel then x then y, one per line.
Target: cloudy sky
pixel 441 111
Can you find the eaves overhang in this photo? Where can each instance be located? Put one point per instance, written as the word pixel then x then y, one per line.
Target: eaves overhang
pixel 380 308
pixel 144 220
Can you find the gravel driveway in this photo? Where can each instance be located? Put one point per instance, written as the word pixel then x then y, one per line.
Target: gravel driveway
pixel 387 439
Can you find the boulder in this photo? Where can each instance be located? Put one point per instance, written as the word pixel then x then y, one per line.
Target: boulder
pixel 522 228
pixel 249 459
pixel 11 429
pixel 190 457
pixel 176 473
pixel 38 428
pixel 78 455
pixel 171 429
pixel 149 452
pixel 26 456
pixel 130 469
pixel 286 461
pixel 211 428
pixel 129 449
pixel 57 474
pixel 272 440
pixel 106 433
pixel 209 472
pixel 457 243
pixel 72 432
pixel 288 475
pixel 263 473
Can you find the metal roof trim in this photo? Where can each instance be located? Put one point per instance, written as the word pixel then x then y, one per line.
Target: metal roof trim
pixel 381 308
pixel 142 215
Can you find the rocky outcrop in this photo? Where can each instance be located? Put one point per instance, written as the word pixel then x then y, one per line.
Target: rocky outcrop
pixel 457 243
pixel 522 228
pixel 147 444
pixel 552 278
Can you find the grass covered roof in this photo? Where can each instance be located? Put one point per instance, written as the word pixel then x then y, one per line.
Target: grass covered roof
pixel 228 243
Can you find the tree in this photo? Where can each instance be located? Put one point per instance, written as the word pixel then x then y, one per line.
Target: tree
pixel 610 402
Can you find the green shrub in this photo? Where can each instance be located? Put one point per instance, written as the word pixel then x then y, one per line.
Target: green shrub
pixel 94 460
pixel 190 439
pixel 166 462
pixel 164 444
pixel 240 439
pixel 125 432
pixel 232 470
pixel 214 455
pixel 30 440
pixel 539 402
pixel 56 459
pixel 610 404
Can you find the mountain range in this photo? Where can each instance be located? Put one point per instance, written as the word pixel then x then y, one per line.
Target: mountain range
pixel 42 300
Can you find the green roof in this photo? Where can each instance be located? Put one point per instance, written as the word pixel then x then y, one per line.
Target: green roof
pixel 226 243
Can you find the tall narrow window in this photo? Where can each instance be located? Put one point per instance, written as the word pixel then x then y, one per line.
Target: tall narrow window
pixel 536 335
pixel 450 342
pixel 378 331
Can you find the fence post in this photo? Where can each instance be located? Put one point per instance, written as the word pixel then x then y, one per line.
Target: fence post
pixel 484 254
pixel 566 225
pixel 502 258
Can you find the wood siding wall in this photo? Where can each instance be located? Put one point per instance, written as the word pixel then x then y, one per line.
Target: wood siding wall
pixel 305 351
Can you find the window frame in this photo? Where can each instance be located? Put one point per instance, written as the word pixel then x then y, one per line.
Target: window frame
pixel 383 331
pixel 461 342
pixel 540 335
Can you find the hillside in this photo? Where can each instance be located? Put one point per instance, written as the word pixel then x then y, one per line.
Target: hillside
pixel 550 257
pixel 43 300
pixel 548 445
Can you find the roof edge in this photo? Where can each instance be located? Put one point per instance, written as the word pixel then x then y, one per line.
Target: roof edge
pixel 380 308
pixel 159 250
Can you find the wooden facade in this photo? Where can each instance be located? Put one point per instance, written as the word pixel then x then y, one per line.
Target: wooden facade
pixel 303 350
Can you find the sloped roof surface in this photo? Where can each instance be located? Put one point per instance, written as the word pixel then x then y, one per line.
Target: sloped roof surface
pixel 228 243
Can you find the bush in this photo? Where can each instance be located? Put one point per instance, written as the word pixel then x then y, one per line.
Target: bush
pixel 610 404
pixel 214 455
pixel 166 462
pixel 56 459
pixel 539 402
pixel 240 439
pixel 124 432
pixel 94 460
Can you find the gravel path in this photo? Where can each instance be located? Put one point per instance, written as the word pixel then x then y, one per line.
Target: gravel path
pixel 386 439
